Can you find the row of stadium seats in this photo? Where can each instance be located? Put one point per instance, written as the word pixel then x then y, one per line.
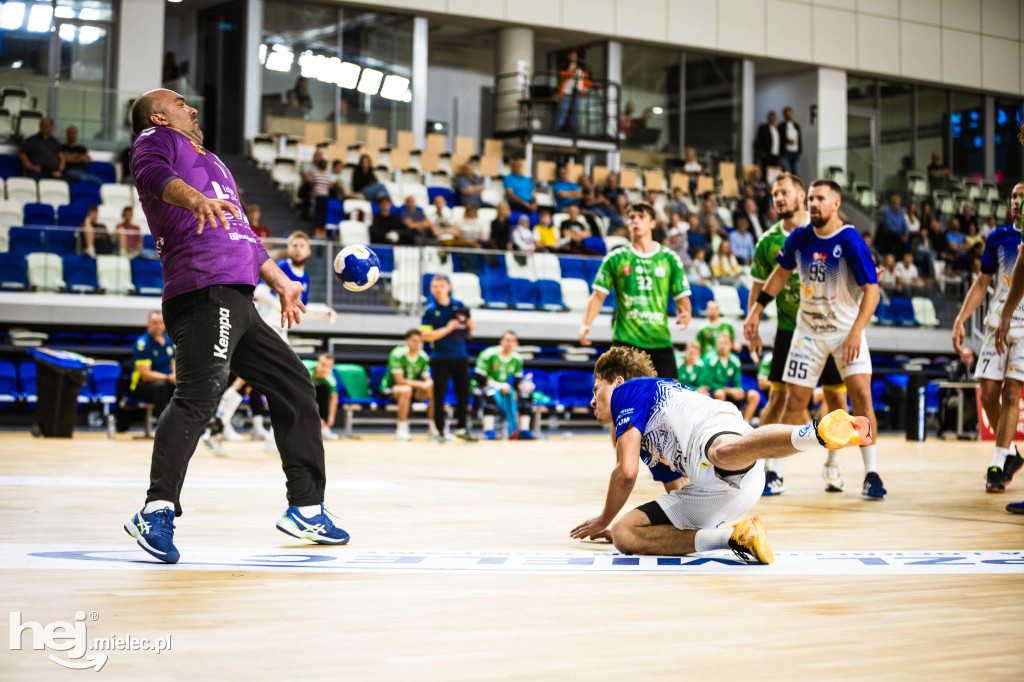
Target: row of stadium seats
pixel 80 274
pixel 18 383
pixel 57 191
pixel 63 242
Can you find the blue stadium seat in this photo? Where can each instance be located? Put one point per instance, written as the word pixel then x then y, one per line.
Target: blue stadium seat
pixel 38 214
pixel 60 242
pixel 449 195
pixel 333 212
pixel 744 294
pixel 699 298
pixel 543 383
pixel 386 256
pixel 574 388
pixel 884 313
pixel 85 193
pixel 27 380
pixel 595 244
pixel 465 262
pixel 148 243
pixel 71 215
pixel 573 267
pixel 903 312
pixel 593 265
pixel 8 383
pixel 13 271
pixel 523 293
pixel 25 240
pixel 10 166
pixel 425 278
pixel 495 266
pixel 104 170
pixel 377 376
pixel 495 290
pixel 549 295
pixel 104 381
pixel 147 276
pixel 80 274
pixel 749 383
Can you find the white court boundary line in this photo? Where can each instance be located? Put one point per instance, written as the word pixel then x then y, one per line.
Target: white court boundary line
pixel 196 483
pixel 325 560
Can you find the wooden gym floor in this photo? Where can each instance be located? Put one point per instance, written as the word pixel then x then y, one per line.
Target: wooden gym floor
pixel 230 622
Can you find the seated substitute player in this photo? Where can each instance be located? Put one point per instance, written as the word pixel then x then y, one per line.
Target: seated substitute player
pixel 691 372
pixel 708 335
pixel 494 367
pixel 724 377
pixel 321 371
pixel 839 294
pixel 680 433
pixel 408 378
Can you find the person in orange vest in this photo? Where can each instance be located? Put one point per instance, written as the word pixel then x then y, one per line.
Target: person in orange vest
pixel 573 82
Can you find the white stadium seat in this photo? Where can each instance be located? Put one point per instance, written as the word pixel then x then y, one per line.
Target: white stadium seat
pixel 116 194
pixel 924 311
pixel 353 232
pixel 575 294
pixel 22 190
pixel 10 214
pixel 54 192
pixel 524 270
pixel 114 274
pixel 352 207
pixel 546 266
pixel 45 271
pixel 728 300
pixel 432 262
pixel 466 288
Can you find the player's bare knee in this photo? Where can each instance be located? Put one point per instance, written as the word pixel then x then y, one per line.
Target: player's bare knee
pixel 1011 391
pixel 624 538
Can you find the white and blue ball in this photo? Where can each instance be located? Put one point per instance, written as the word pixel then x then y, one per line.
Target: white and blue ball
pixel 357 267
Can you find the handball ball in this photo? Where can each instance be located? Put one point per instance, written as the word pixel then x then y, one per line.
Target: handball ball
pixel 357 267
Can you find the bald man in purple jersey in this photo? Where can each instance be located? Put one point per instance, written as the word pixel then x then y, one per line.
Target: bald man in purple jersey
pixel 212 261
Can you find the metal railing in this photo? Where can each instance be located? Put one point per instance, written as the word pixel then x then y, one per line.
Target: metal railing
pixel 530 104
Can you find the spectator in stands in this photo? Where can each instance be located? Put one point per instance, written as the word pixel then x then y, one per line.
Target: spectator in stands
pixel 626 120
pixel 153 378
pixel 895 231
pixel 302 95
pixel 716 235
pixel 611 189
pixel 519 188
pixel 768 144
pixel 869 241
pixel 622 209
pixel 913 220
pixel 469 186
pixel 708 335
pixel 749 211
pixel 364 181
pixel 755 188
pixel 741 241
pixel 40 153
pixel 573 82
pixel 938 173
pixel 129 235
pixel 906 272
pixel 565 190
pixel 447 325
pixel 387 227
pixel 337 190
pixel 678 239
pixel 792 142
pixel 77 159
pixel 691 370
pixel 887 279
pixel 408 378
pixel 524 238
pixel 931 244
pixel 990 224
pixel 677 206
pixel 654 199
pixel 320 180
pixel 416 223
pixel 501 230
pixel 707 213
pixel 691 165
pixel 926 214
pixel 574 233
pixel 544 234
pixel 973 237
pixel 956 246
pixel 967 218
pixel 321 372
pixel 252 212
pixel 724 378
pixel 724 264
pixel 695 235
pixel 597 203
pixel 93 236
pixel 699 272
pixel 472 227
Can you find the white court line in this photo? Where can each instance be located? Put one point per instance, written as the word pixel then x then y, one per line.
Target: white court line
pixel 318 559
pixel 214 483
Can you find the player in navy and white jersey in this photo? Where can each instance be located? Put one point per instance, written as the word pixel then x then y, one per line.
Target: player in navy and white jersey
pixel 838 296
pixel 1001 375
pixel 680 434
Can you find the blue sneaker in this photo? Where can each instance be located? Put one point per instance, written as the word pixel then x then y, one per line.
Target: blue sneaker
pixel 873 486
pixel 1015 507
pixel 490 435
pixel 526 434
pixel 319 529
pixel 154 533
pixel 772 484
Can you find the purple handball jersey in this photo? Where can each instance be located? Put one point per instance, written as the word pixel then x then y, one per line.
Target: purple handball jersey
pixel 190 260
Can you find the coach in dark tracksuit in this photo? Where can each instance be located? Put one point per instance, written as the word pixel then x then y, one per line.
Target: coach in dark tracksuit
pixel 446 325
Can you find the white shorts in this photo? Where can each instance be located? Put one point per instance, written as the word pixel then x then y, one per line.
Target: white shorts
pixel 997 367
pixel 712 498
pixel 808 354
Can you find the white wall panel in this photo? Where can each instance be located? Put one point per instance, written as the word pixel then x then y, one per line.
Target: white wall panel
pixel 692 22
pixel 878 46
pixel 961 57
pixel 921 51
pixel 741 26
pixel 597 16
pixel 540 12
pixel 1000 61
pixel 788 30
pixel 962 15
pixel 885 8
pixel 1001 18
pixel 835 36
pixel 644 19
pixel 923 11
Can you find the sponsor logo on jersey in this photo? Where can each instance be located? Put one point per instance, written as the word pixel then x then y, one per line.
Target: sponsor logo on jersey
pixel 808 291
pixel 627 269
pixel 199 150
pixel 838 251
pixel 639 269
pixel 819 256
pixel 659 271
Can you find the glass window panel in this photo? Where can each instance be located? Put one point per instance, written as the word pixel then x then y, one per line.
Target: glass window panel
pixel 1009 115
pixel 713 94
pixel 897 133
pixel 650 98
pixel 932 117
pixel 966 130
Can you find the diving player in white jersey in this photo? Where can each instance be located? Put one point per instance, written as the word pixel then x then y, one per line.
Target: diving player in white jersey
pixel 1001 375
pixel 838 296
pixel 679 433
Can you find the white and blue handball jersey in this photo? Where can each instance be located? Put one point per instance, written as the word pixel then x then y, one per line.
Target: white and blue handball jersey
pixel 832 270
pixel 998 259
pixel 675 423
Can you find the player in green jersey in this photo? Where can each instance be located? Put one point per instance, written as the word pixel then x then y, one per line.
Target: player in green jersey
pixel 724 378
pixel 321 371
pixel 707 337
pixel 691 371
pixel 499 378
pixel 643 275
pixel 408 377
pixel 789 197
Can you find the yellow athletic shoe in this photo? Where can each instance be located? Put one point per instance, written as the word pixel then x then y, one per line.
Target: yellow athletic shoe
pixel 749 542
pixel 839 429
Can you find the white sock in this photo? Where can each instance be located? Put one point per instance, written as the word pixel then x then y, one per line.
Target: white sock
pixel 999 458
pixel 524 422
pixel 157 504
pixel 402 427
pixel 833 458
pixel 708 539
pixel 229 403
pixel 868 453
pixel 257 422
pixel 432 428
pixel 310 511
pixel 777 466
pixel 488 422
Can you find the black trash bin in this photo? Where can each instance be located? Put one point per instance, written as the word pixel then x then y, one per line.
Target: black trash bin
pixel 915 407
pixel 59 376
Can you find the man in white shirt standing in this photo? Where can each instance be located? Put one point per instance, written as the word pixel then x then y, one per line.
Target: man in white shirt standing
pixel 791 142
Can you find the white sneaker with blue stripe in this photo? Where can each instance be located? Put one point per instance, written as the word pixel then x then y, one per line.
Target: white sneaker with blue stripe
pixel 319 529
